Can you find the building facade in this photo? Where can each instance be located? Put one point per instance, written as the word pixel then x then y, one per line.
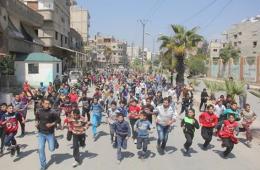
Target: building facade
pixel 245 36
pixel 19 25
pixel 80 21
pixel 214 47
pixel 118 49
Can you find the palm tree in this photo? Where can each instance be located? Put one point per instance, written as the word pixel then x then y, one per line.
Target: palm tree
pixel 108 54
pixel 226 54
pixel 178 46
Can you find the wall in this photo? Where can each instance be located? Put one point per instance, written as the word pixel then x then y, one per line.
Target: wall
pixel 20 71
pixel 246 68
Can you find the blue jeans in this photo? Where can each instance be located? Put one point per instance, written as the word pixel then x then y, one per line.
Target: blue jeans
pixel 10 139
pixel 42 138
pixel 95 121
pixel 121 143
pixel 163 132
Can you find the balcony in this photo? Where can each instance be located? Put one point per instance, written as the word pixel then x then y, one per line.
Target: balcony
pixel 23 12
pixel 23 46
pixel 48 15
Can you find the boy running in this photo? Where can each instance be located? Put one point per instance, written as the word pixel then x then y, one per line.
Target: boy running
pixel 142 127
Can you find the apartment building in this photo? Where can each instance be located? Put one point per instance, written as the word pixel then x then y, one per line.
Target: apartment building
pixel 245 36
pixel 19 25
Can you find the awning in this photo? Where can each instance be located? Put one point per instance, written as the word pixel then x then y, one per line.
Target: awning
pixel 33 35
pixel 70 50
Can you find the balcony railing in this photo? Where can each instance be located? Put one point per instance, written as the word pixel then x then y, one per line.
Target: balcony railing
pixel 23 12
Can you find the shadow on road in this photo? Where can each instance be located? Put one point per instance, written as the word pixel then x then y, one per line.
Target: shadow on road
pixel 127 154
pixel 148 154
pixel 59 137
pixel 188 154
pixel 170 149
pixel 59 158
pixel 256 132
pixel 88 155
pixel 220 153
pixel 24 154
pixel 100 134
pixel 209 147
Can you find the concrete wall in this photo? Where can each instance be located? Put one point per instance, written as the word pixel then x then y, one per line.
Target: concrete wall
pixel 246 68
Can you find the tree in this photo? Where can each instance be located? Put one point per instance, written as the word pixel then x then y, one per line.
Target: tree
pixel 178 45
pixel 137 64
pixel 226 54
pixel 197 65
pixel 7 68
pixel 108 54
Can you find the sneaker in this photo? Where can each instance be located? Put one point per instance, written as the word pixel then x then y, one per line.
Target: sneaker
pixel 12 151
pixel 249 144
pixel 135 141
pixel 186 149
pixel 17 150
pixel 75 164
pixel 118 162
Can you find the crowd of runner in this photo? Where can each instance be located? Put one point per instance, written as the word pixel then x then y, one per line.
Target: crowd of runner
pixel 132 104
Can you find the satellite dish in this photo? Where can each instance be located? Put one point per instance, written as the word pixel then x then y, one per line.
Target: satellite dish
pixel 3 18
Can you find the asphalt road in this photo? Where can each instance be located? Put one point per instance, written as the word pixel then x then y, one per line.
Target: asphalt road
pixel 100 155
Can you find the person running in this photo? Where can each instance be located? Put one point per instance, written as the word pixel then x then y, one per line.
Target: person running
pixel 142 127
pixel 189 123
pixel 78 128
pixel 2 130
pixel 248 117
pixel 165 117
pixel 133 117
pixel 46 121
pixel 228 134
pixel 123 132
pixel 111 118
pixel 10 123
pixel 208 120
pixel 86 103
pixel 20 108
pixel 148 109
pixel 96 110
pixel 203 99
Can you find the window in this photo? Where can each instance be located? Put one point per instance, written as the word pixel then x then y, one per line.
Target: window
pixel 254 44
pixel 58 68
pixel 239 42
pixel 66 39
pixel 235 44
pixel 235 36
pixel 240 33
pixel 215 50
pixel 33 68
pixel 56 35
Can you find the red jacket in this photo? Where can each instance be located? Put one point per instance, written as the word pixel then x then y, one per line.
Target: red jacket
pixel 134 112
pixel 228 131
pixel 208 120
pixel 73 97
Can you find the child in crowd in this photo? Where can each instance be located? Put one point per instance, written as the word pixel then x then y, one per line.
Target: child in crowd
pixel 123 132
pixel 142 127
pixel 208 121
pixel 189 123
pixel 96 110
pixel 228 134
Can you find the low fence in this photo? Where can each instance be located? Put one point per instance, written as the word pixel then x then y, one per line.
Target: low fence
pixel 245 68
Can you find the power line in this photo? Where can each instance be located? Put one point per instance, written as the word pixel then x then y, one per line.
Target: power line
pixel 218 14
pixel 158 6
pixel 200 11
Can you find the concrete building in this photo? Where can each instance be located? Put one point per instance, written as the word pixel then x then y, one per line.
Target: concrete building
pixel 118 48
pixel 214 47
pixel 245 36
pixel 80 21
pixel 19 25
pixel 56 28
pixel 133 52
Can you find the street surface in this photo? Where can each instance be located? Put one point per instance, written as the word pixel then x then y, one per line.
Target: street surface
pixel 100 155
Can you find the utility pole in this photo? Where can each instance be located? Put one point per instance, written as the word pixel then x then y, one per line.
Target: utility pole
pixel 143 22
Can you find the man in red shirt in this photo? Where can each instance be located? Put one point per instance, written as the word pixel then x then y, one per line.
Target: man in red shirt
pixel 208 121
pixel 73 96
